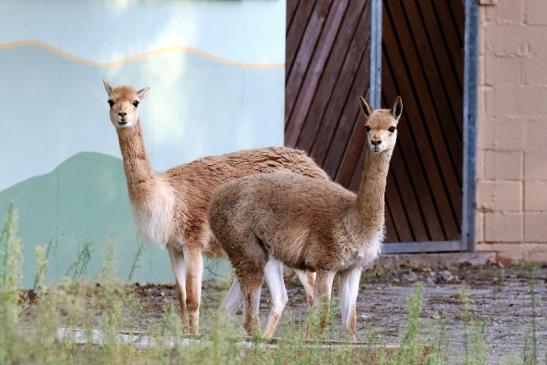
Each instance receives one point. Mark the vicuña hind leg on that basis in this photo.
(348, 288)
(249, 266)
(322, 293)
(307, 278)
(251, 303)
(248, 259)
(274, 278)
(194, 272)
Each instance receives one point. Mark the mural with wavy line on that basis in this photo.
(59, 152)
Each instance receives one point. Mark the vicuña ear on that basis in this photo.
(142, 92)
(365, 108)
(108, 87)
(397, 108)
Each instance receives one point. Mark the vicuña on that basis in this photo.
(170, 208)
(267, 220)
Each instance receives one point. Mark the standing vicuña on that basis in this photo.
(266, 220)
(170, 208)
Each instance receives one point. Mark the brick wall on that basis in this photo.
(512, 129)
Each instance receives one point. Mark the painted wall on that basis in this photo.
(216, 72)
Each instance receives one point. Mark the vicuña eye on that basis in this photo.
(111, 102)
(391, 129)
(136, 103)
(367, 128)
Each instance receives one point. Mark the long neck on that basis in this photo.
(138, 170)
(368, 213)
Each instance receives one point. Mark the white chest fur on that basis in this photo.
(155, 216)
(369, 253)
(365, 248)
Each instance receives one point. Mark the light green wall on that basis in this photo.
(216, 74)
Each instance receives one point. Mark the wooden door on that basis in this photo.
(328, 66)
(422, 60)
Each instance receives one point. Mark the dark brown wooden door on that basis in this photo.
(328, 67)
(422, 61)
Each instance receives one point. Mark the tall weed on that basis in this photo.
(10, 276)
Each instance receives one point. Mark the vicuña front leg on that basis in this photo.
(274, 277)
(194, 272)
(178, 266)
(348, 288)
(232, 300)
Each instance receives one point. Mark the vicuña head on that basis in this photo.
(381, 125)
(124, 104)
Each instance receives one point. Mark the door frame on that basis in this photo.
(470, 82)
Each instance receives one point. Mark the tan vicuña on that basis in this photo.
(170, 208)
(266, 220)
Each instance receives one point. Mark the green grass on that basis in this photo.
(30, 326)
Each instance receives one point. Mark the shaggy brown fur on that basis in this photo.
(171, 207)
(307, 224)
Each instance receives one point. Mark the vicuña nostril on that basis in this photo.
(122, 114)
(375, 143)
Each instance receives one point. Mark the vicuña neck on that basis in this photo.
(138, 170)
(368, 214)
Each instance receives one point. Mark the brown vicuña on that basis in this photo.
(170, 208)
(267, 220)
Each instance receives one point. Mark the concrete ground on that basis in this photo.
(500, 299)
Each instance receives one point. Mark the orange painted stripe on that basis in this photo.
(140, 55)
